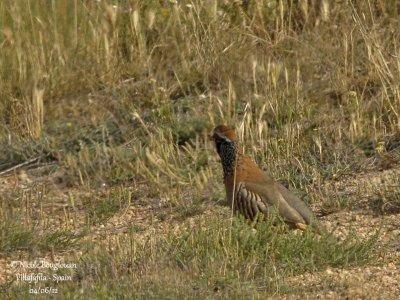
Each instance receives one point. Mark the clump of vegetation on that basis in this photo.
(386, 196)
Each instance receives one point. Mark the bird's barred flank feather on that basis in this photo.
(249, 204)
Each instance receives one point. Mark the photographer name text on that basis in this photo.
(34, 273)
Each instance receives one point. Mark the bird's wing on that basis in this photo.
(253, 198)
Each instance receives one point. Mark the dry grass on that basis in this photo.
(119, 97)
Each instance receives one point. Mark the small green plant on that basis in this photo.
(334, 204)
(386, 199)
(101, 208)
(15, 237)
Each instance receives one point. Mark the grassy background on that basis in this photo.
(119, 96)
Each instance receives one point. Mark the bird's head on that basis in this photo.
(223, 133)
(224, 138)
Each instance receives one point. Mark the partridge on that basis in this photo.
(252, 192)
